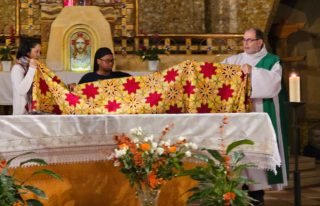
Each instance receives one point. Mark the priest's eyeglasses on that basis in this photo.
(107, 60)
(249, 40)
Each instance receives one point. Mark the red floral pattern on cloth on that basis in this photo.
(112, 106)
(208, 70)
(90, 91)
(225, 92)
(131, 86)
(43, 87)
(171, 75)
(189, 87)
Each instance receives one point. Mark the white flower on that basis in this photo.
(166, 143)
(116, 163)
(154, 145)
(148, 138)
(135, 140)
(120, 152)
(111, 156)
(182, 138)
(136, 131)
(193, 145)
(160, 150)
(188, 153)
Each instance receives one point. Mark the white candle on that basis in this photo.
(294, 88)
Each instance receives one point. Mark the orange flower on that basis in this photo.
(172, 149)
(3, 164)
(145, 146)
(122, 146)
(153, 180)
(229, 196)
(226, 163)
(18, 204)
(123, 139)
(137, 158)
(226, 158)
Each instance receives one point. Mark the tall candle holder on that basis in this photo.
(296, 137)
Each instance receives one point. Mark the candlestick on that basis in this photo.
(294, 88)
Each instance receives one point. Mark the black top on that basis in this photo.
(93, 76)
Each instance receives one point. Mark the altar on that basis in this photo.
(77, 147)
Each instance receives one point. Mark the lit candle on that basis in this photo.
(294, 88)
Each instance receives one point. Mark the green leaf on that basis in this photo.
(36, 191)
(215, 154)
(33, 202)
(237, 156)
(36, 161)
(201, 157)
(23, 154)
(238, 143)
(47, 172)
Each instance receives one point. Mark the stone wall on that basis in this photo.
(7, 20)
(305, 42)
(235, 16)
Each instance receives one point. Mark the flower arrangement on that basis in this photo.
(151, 53)
(12, 188)
(220, 180)
(148, 162)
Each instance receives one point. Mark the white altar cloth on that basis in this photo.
(77, 138)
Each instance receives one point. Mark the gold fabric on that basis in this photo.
(189, 87)
(99, 184)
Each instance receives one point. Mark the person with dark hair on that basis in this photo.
(22, 74)
(265, 72)
(102, 69)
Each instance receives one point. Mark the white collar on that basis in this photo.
(259, 54)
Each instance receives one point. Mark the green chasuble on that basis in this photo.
(267, 63)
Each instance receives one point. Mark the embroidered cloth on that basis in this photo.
(189, 87)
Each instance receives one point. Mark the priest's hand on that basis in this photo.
(246, 68)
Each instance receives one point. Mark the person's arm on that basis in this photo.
(20, 81)
(266, 84)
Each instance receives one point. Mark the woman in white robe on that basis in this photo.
(22, 74)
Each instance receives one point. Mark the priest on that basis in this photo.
(267, 96)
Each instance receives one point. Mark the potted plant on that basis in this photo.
(5, 57)
(12, 188)
(150, 54)
(220, 178)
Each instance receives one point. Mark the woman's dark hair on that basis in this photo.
(101, 52)
(25, 47)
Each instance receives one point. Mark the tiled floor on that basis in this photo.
(310, 196)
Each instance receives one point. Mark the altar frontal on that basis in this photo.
(189, 87)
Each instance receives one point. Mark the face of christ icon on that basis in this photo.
(80, 49)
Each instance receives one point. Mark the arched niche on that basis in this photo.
(72, 21)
